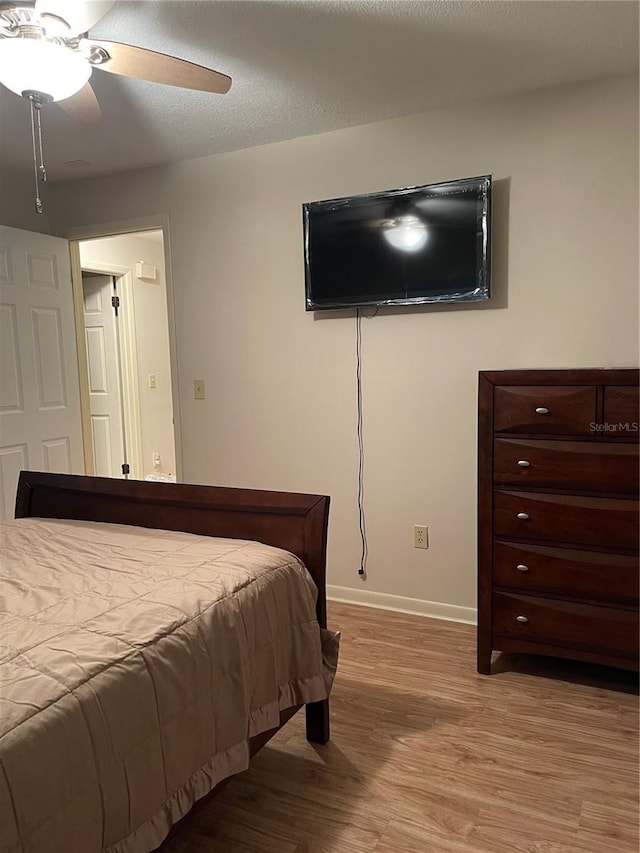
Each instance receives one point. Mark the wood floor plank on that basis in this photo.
(609, 821)
(427, 756)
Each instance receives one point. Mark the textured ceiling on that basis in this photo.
(300, 68)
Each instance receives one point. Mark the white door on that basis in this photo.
(40, 424)
(105, 400)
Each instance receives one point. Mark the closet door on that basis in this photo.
(103, 360)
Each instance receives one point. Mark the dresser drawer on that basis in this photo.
(566, 571)
(621, 404)
(566, 519)
(582, 465)
(554, 622)
(559, 409)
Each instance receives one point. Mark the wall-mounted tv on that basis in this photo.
(400, 247)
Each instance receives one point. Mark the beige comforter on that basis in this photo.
(134, 665)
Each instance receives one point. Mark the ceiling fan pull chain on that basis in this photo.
(38, 200)
(42, 172)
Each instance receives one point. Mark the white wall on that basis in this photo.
(280, 407)
(152, 339)
(17, 201)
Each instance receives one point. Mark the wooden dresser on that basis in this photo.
(558, 514)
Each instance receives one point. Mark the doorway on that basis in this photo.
(125, 361)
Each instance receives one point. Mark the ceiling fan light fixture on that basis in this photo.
(78, 16)
(35, 65)
(54, 27)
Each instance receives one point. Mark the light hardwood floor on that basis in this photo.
(428, 756)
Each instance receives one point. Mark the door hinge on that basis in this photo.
(125, 468)
(115, 301)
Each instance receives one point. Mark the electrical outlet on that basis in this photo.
(198, 389)
(152, 380)
(421, 536)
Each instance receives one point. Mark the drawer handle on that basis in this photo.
(542, 410)
(522, 619)
(522, 568)
(523, 516)
(523, 463)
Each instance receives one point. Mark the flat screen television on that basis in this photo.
(428, 244)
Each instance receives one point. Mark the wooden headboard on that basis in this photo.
(295, 522)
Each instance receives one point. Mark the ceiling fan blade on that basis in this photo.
(81, 15)
(83, 107)
(157, 67)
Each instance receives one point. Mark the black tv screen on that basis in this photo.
(400, 247)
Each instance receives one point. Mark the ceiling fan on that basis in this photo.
(47, 54)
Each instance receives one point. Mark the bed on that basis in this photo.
(154, 637)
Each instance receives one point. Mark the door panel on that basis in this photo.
(96, 357)
(57, 454)
(40, 424)
(11, 395)
(47, 341)
(12, 461)
(101, 434)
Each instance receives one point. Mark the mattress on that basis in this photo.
(134, 666)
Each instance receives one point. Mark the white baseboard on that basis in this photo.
(399, 603)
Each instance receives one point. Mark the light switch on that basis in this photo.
(198, 389)
(152, 380)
